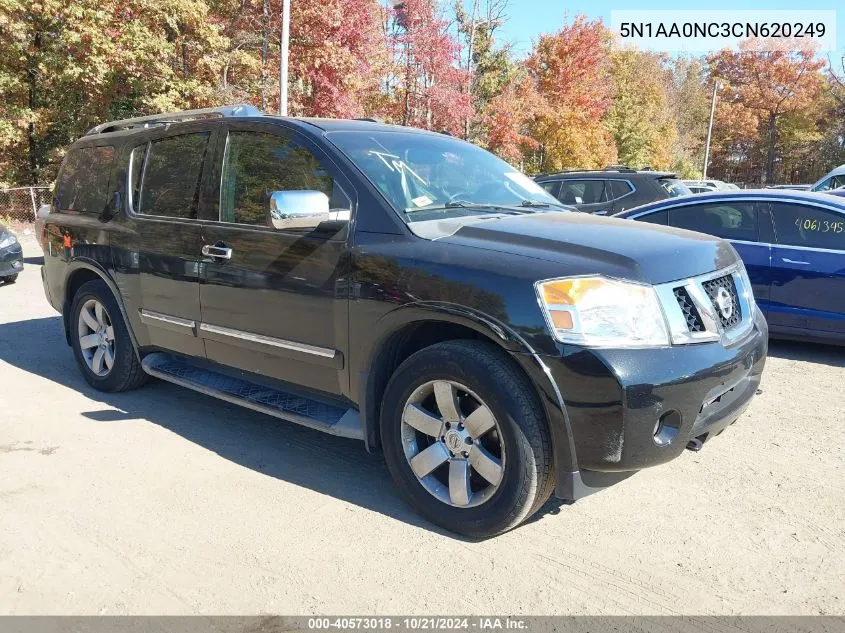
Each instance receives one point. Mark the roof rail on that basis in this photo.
(174, 117)
(578, 171)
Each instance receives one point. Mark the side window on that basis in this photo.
(834, 182)
(729, 220)
(256, 164)
(798, 225)
(84, 183)
(582, 191)
(171, 176)
(552, 186)
(657, 217)
(619, 188)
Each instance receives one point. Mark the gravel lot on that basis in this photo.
(166, 501)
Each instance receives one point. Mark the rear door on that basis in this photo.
(276, 303)
(737, 221)
(808, 268)
(162, 247)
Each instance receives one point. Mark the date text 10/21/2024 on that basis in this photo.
(422, 623)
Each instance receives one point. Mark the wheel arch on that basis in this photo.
(411, 328)
(80, 272)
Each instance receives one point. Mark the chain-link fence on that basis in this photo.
(20, 204)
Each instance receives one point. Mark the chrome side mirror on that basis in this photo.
(298, 209)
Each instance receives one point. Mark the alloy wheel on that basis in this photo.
(96, 337)
(453, 443)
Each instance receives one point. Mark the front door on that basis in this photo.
(163, 196)
(808, 269)
(274, 302)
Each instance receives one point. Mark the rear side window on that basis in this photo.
(799, 225)
(582, 191)
(729, 220)
(619, 188)
(83, 186)
(656, 217)
(552, 186)
(673, 187)
(171, 176)
(257, 164)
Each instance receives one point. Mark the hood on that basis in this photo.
(583, 244)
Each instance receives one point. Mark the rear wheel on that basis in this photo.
(465, 438)
(101, 342)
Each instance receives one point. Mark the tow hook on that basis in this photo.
(695, 444)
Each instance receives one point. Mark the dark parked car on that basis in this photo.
(611, 190)
(793, 246)
(403, 288)
(11, 256)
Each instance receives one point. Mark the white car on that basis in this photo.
(834, 179)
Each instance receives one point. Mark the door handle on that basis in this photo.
(218, 252)
(792, 261)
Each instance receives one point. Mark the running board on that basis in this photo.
(314, 414)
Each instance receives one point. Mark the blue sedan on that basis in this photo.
(793, 246)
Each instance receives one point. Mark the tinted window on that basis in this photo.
(658, 217)
(730, 220)
(256, 164)
(551, 186)
(619, 188)
(582, 191)
(172, 176)
(799, 225)
(84, 184)
(673, 187)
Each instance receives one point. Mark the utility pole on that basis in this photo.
(283, 66)
(710, 131)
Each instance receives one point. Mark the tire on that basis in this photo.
(126, 372)
(11, 278)
(478, 372)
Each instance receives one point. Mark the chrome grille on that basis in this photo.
(691, 315)
(712, 289)
(714, 307)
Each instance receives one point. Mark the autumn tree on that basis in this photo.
(426, 83)
(640, 119)
(773, 84)
(571, 69)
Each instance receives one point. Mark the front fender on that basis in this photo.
(372, 374)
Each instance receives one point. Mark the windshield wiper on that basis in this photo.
(535, 204)
(453, 204)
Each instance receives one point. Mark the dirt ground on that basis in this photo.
(164, 501)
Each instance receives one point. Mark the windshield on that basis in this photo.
(674, 187)
(426, 172)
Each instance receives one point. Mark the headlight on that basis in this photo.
(746, 287)
(8, 240)
(601, 312)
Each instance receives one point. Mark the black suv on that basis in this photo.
(403, 288)
(611, 190)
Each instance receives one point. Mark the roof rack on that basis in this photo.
(369, 118)
(175, 117)
(598, 171)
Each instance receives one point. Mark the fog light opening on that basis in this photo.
(666, 428)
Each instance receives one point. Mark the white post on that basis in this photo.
(283, 67)
(34, 208)
(710, 131)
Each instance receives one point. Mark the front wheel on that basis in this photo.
(10, 279)
(465, 438)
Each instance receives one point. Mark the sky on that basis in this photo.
(530, 18)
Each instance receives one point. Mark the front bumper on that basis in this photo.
(11, 260)
(630, 409)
